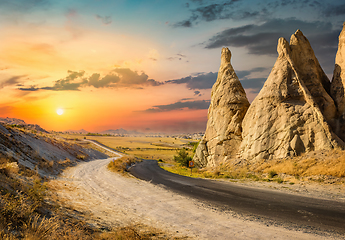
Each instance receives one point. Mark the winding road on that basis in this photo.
(197, 208)
(287, 209)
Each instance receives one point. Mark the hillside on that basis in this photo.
(44, 153)
(27, 161)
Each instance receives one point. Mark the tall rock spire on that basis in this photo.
(287, 116)
(338, 85)
(313, 76)
(224, 126)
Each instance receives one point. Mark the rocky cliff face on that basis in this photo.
(287, 116)
(338, 85)
(228, 106)
(293, 113)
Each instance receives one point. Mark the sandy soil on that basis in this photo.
(109, 199)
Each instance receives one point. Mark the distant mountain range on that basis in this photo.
(81, 131)
(120, 131)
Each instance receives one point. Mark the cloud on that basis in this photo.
(178, 56)
(334, 10)
(187, 23)
(262, 39)
(106, 20)
(210, 12)
(199, 104)
(197, 93)
(255, 37)
(69, 83)
(206, 80)
(199, 81)
(253, 83)
(29, 89)
(107, 81)
(11, 81)
(129, 78)
(117, 78)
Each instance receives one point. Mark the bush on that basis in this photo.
(279, 180)
(81, 157)
(272, 174)
(194, 145)
(182, 158)
(122, 164)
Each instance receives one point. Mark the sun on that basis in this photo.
(59, 111)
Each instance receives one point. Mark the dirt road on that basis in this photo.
(109, 199)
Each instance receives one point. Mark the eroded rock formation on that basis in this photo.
(287, 117)
(228, 106)
(338, 85)
(293, 113)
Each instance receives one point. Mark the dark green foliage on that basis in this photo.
(194, 145)
(272, 174)
(182, 157)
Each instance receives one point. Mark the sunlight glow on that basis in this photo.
(59, 111)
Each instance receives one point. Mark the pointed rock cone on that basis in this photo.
(338, 85)
(285, 119)
(228, 106)
(314, 78)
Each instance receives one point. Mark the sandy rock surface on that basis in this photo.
(338, 85)
(228, 106)
(287, 117)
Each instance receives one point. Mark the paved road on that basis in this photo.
(288, 209)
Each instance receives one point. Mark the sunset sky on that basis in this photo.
(144, 65)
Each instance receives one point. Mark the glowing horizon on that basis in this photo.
(142, 65)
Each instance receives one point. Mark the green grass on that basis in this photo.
(182, 170)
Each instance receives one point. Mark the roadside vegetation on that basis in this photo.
(182, 157)
(322, 167)
(122, 164)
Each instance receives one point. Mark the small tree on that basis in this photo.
(182, 157)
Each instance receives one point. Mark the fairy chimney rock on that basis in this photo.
(338, 85)
(224, 126)
(287, 116)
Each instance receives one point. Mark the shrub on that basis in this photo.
(194, 145)
(37, 228)
(38, 191)
(279, 180)
(182, 157)
(122, 164)
(81, 157)
(272, 174)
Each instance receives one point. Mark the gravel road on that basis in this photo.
(109, 199)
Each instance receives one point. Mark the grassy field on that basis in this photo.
(142, 147)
